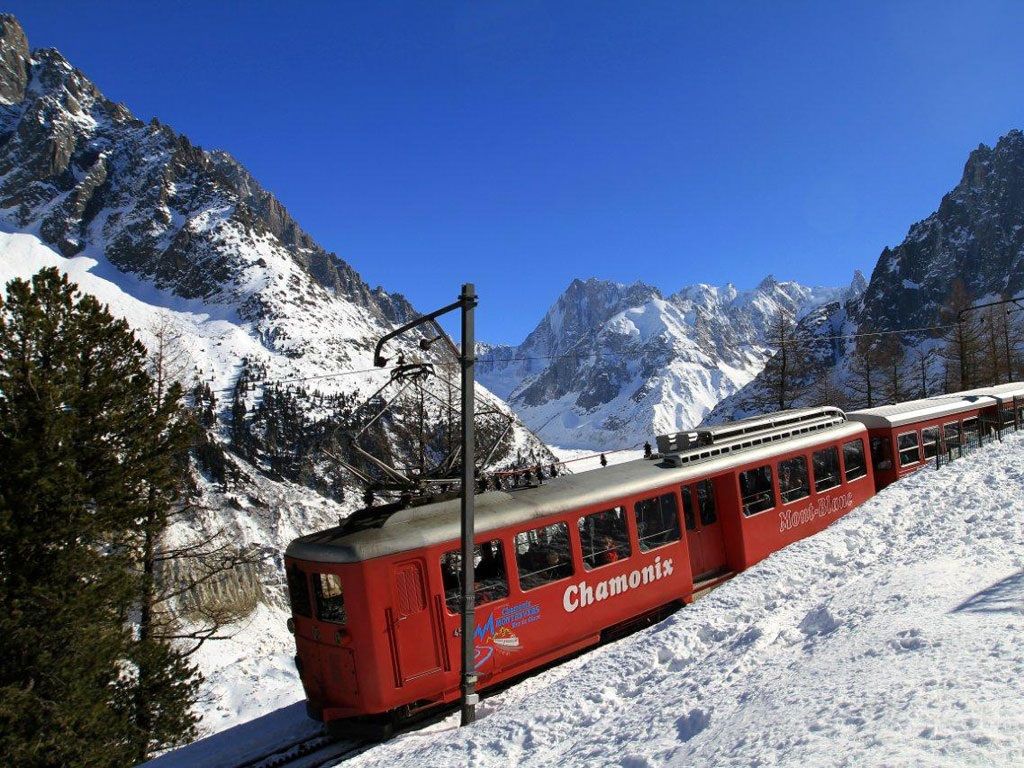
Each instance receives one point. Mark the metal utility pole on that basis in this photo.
(467, 359)
(467, 302)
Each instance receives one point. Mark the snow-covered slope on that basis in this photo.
(169, 234)
(611, 365)
(891, 638)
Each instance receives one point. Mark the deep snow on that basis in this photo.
(892, 638)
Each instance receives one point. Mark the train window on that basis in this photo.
(794, 482)
(691, 523)
(951, 434)
(826, 468)
(706, 502)
(907, 443)
(880, 456)
(657, 521)
(1006, 417)
(604, 538)
(330, 601)
(298, 592)
(853, 457)
(542, 555)
(489, 580)
(971, 431)
(930, 442)
(757, 490)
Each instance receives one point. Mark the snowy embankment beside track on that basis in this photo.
(895, 637)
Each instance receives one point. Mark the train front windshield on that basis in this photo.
(330, 598)
(327, 595)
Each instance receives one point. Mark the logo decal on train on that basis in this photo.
(583, 594)
(791, 518)
(497, 633)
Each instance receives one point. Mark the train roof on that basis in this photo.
(414, 527)
(900, 414)
(1003, 393)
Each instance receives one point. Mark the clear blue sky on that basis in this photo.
(521, 144)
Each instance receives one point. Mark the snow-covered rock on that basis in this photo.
(168, 234)
(974, 239)
(611, 365)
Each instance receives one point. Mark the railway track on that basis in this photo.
(310, 752)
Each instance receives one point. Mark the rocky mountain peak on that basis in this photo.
(856, 288)
(585, 305)
(612, 364)
(91, 178)
(14, 58)
(976, 234)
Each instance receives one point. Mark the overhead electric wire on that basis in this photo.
(575, 356)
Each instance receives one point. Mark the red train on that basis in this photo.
(563, 565)
(907, 436)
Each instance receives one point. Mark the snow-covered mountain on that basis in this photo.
(179, 227)
(975, 238)
(170, 235)
(976, 235)
(611, 365)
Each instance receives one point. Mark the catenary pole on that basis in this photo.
(468, 358)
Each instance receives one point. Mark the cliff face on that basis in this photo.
(611, 365)
(976, 235)
(185, 243)
(88, 177)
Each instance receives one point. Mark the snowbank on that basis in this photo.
(892, 638)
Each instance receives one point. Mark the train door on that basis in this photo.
(415, 636)
(703, 530)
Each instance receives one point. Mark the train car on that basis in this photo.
(1009, 398)
(559, 566)
(906, 436)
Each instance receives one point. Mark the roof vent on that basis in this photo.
(687, 447)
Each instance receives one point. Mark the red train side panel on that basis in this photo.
(373, 610)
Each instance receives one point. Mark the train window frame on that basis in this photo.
(322, 597)
(674, 513)
(544, 581)
(805, 489)
(901, 449)
(624, 540)
(863, 458)
(957, 427)
(485, 594)
(296, 577)
(936, 442)
(702, 510)
(837, 477)
(767, 493)
(974, 429)
(689, 518)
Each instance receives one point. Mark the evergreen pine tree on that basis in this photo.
(85, 461)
